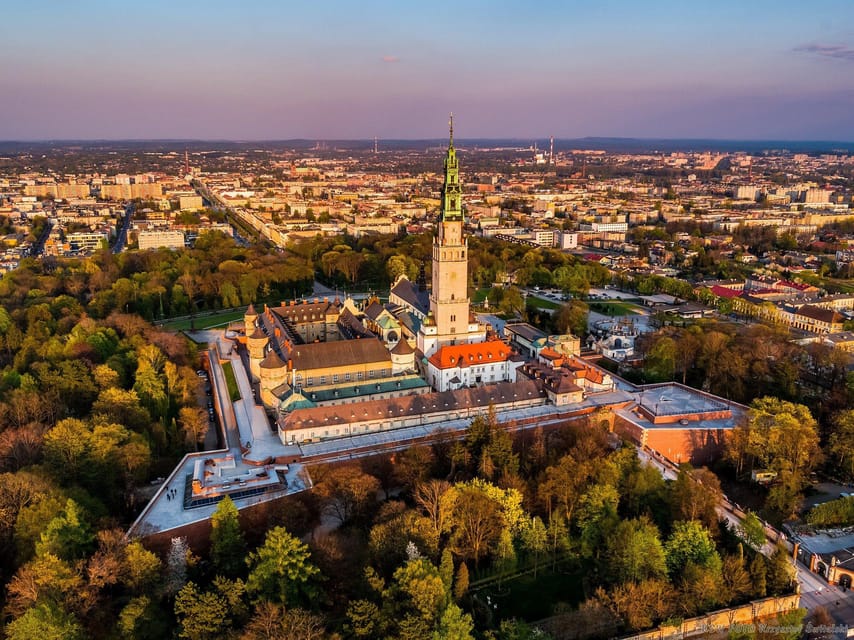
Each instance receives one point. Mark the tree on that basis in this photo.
(418, 588)
(454, 625)
(781, 572)
(389, 540)
(176, 565)
(274, 622)
(461, 583)
(446, 569)
(476, 527)
(572, 318)
(563, 484)
(634, 552)
(437, 499)
(202, 615)
(758, 576)
(779, 436)
(660, 361)
(281, 571)
(347, 492)
(142, 619)
(695, 496)
(505, 555)
(638, 604)
(736, 583)
(751, 530)
(363, 618)
(68, 536)
(143, 567)
(413, 465)
(194, 423)
(228, 548)
(535, 539)
(841, 441)
(689, 542)
(46, 622)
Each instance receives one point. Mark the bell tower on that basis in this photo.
(448, 321)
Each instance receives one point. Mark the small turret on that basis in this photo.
(256, 344)
(249, 319)
(273, 373)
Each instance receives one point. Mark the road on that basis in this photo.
(815, 591)
(38, 246)
(122, 234)
(217, 205)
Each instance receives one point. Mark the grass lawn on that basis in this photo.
(614, 308)
(533, 599)
(541, 303)
(844, 286)
(205, 322)
(479, 296)
(230, 382)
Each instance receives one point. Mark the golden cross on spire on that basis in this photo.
(451, 127)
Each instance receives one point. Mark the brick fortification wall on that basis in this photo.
(677, 444)
(714, 624)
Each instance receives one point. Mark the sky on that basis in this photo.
(276, 70)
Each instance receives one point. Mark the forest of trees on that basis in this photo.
(95, 402)
(411, 548)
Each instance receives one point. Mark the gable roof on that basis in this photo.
(820, 314)
(340, 353)
(427, 403)
(411, 295)
(464, 355)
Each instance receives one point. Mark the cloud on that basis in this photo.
(838, 51)
(391, 59)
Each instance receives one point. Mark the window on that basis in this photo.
(347, 377)
(334, 377)
(371, 373)
(360, 375)
(309, 381)
(453, 317)
(322, 379)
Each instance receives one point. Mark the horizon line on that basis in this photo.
(370, 139)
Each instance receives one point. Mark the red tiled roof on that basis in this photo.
(724, 292)
(463, 355)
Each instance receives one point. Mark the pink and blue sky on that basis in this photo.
(742, 69)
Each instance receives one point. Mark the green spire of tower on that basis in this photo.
(452, 206)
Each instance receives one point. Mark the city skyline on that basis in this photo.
(268, 72)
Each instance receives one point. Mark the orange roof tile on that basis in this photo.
(464, 355)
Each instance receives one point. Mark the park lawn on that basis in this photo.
(231, 382)
(532, 599)
(614, 308)
(845, 286)
(541, 303)
(205, 322)
(479, 296)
